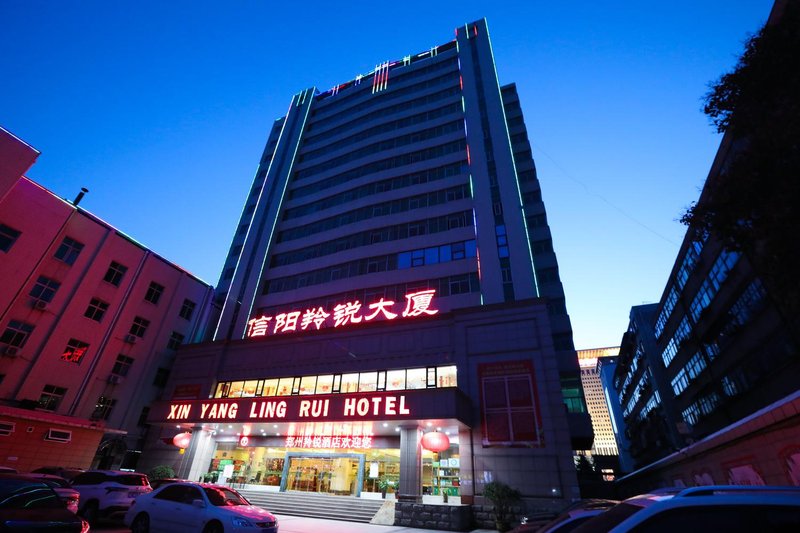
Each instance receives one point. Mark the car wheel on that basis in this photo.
(213, 527)
(90, 512)
(141, 524)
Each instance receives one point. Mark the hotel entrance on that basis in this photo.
(338, 474)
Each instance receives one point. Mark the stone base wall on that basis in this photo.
(427, 516)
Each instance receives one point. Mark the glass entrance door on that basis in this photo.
(337, 474)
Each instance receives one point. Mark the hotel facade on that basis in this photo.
(391, 308)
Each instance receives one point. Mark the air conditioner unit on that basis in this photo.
(41, 305)
(10, 351)
(130, 338)
(114, 379)
(58, 435)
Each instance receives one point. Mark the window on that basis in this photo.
(103, 407)
(69, 250)
(187, 309)
(416, 378)
(395, 380)
(44, 289)
(8, 237)
(508, 410)
(162, 375)
(368, 382)
(16, 333)
(114, 273)
(7, 428)
(51, 397)
(175, 340)
(139, 326)
(154, 292)
(74, 351)
(285, 387)
(96, 310)
(349, 383)
(308, 384)
(122, 366)
(324, 384)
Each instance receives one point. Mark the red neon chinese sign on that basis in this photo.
(329, 442)
(417, 304)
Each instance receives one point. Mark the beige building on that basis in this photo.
(604, 441)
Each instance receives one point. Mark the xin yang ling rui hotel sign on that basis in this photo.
(416, 304)
(374, 406)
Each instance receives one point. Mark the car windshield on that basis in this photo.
(25, 494)
(609, 519)
(56, 483)
(222, 497)
(131, 480)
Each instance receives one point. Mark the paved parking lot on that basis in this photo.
(300, 524)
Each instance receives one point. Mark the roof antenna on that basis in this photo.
(78, 198)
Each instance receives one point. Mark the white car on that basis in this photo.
(732, 509)
(108, 493)
(194, 507)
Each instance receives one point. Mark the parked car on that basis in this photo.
(68, 495)
(731, 509)
(66, 472)
(107, 494)
(193, 507)
(30, 505)
(570, 518)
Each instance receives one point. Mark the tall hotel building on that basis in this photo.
(391, 283)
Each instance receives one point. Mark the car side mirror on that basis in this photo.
(199, 503)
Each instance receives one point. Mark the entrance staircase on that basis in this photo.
(315, 505)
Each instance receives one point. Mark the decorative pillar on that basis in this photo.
(195, 458)
(410, 461)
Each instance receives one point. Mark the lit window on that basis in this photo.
(325, 384)
(74, 351)
(416, 378)
(446, 376)
(103, 407)
(349, 383)
(308, 384)
(271, 387)
(368, 382)
(51, 397)
(250, 388)
(395, 380)
(285, 386)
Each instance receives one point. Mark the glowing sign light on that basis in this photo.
(417, 304)
(363, 442)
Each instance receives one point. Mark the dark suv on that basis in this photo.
(108, 493)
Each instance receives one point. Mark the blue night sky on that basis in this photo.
(162, 110)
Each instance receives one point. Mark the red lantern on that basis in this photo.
(182, 440)
(435, 441)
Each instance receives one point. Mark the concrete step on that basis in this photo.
(315, 505)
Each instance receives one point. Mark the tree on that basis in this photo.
(752, 204)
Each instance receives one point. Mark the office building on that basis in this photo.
(604, 441)
(393, 262)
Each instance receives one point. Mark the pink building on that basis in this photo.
(89, 324)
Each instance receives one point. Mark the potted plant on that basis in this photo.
(161, 472)
(385, 483)
(502, 497)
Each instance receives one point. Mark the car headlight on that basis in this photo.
(242, 522)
